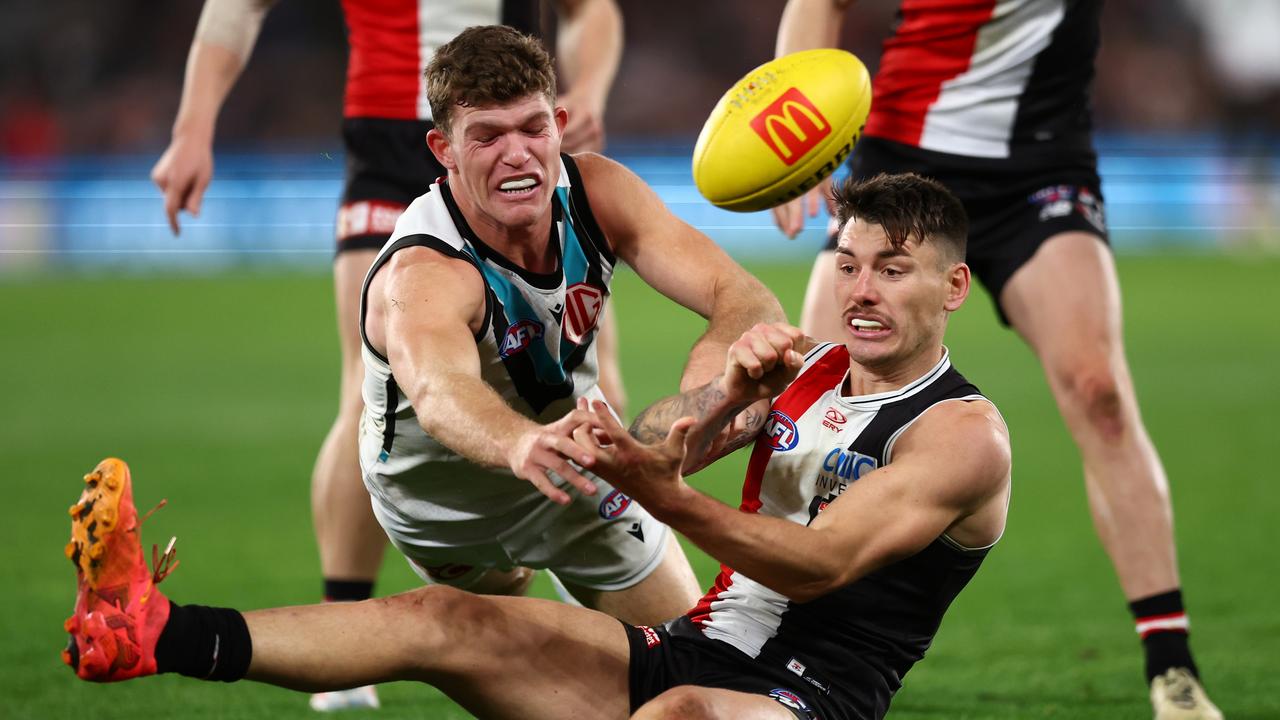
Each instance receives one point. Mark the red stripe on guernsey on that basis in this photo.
(793, 402)
(385, 62)
(934, 43)
(799, 396)
(702, 610)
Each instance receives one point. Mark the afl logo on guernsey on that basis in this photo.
(518, 337)
(780, 432)
(583, 304)
(614, 504)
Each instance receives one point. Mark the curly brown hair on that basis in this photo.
(907, 206)
(487, 65)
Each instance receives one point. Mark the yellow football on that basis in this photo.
(782, 129)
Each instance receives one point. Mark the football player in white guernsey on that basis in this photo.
(385, 116)
(478, 320)
(897, 541)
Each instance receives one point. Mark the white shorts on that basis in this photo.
(603, 542)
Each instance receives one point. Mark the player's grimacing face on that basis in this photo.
(507, 158)
(893, 302)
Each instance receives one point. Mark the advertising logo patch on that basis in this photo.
(791, 126)
(833, 419)
(781, 432)
(518, 337)
(651, 637)
(614, 504)
(583, 304)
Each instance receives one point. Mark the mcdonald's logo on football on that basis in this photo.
(791, 126)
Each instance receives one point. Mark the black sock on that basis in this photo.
(204, 642)
(1162, 623)
(347, 590)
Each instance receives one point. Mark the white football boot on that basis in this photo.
(1177, 695)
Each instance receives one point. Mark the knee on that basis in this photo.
(1093, 390)
(683, 702)
(430, 620)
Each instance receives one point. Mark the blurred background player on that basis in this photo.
(992, 99)
(386, 119)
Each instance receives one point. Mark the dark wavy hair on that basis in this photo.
(907, 206)
(487, 65)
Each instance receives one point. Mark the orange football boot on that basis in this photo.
(119, 612)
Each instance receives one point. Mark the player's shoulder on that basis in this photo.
(600, 175)
(968, 433)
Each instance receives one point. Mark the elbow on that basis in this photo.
(823, 579)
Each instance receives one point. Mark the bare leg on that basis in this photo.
(350, 540)
(820, 318)
(498, 657)
(670, 590)
(1066, 303)
(690, 702)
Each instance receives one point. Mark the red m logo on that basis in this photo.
(791, 126)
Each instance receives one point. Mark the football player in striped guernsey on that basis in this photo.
(878, 482)
(385, 118)
(991, 97)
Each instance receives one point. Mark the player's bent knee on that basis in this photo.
(433, 618)
(683, 702)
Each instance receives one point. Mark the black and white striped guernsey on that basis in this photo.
(857, 642)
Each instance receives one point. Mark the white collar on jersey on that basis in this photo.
(867, 402)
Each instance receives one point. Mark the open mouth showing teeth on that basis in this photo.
(859, 324)
(515, 186)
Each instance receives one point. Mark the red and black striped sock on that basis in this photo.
(1162, 624)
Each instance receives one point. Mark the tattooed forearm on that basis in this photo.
(751, 424)
(707, 403)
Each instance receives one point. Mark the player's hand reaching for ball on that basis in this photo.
(762, 362)
(552, 448)
(649, 473)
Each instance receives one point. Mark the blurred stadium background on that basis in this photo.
(210, 361)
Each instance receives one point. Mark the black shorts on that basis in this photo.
(388, 166)
(1013, 205)
(664, 657)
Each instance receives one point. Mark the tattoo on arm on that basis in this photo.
(397, 304)
(751, 427)
(706, 404)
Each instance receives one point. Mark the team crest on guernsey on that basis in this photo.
(780, 431)
(614, 504)
(519, 336)
(583, 304)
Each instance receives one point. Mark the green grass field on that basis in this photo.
(218, 390)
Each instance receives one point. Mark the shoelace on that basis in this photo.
(162, 564)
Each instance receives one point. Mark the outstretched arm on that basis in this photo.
(431, 306)
(947, 467)
(589, 46)
(729, 411)
(224, 39)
